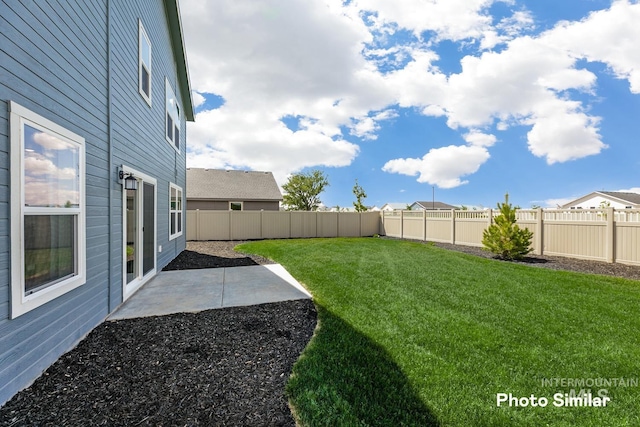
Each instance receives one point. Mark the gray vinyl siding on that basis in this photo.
(138, 131)
(54, 61)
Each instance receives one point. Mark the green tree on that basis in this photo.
(358, 191)
(302, 191)
(504, 237)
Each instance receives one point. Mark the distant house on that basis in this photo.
(223, 190)
(94, 99)
(598, 199)
(388, 207)
(428, 206)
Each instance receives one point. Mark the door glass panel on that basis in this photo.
(148, 235)
(132, 236)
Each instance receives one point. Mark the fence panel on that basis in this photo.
(304, 224)
(584, 240)
(392, 226)
(370, 224)
(413, 227)
(628, 243)
(245, 225)
(439, 230)
(275, 225)
(213, 225)
(348, 224)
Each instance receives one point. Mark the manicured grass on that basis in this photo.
(411, 334)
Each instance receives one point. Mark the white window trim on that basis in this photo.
(176, 120)
(142, 33)
(241, 205)
(21, 303)
(179, 233)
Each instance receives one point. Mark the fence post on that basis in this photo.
(197, 224)
(424, 224)
(402, 224)
(611, 255)
(453, 226)
(261, 223)
(539, 231)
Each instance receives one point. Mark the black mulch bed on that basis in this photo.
(213, 368)
(213, 254)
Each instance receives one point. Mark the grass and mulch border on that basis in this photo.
(412, 334)
(217, 367)
(229, 367)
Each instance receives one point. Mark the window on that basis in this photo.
(47, 210)
(173, 117)
(175, 211)
(235, 206)
(144, 64)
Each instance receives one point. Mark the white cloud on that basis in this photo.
(630, 190)
(449, 19)
(441, 166)
(51, 142)
(321, 62)
(609, 36)
(197, 99)
(273, 59)
(481, 139)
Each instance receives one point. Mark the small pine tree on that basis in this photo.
(504, 237)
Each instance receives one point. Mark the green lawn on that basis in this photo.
(411, 334)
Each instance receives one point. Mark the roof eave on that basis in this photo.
(175, 30)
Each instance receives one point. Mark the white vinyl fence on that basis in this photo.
(249, 225)
(599, 234)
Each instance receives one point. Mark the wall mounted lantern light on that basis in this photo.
(130, 182)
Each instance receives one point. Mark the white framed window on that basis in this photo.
(48, 249)
(144, 63)
(175, 211)
(235, 206)
(172, 127)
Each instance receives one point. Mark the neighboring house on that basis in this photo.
(388, 207)
(93, 97)
(223, 190)
(598, 199)
(428, 206)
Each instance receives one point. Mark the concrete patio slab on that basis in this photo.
(187, 291)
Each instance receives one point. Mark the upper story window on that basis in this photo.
(173, 117)
(144, 64)
(175, 211)
(48, 256)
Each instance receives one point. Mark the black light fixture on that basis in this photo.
(130, 182)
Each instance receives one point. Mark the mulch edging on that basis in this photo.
(217, 367)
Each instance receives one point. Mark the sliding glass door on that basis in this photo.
(139, 233)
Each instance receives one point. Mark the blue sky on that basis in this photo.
(472, 98)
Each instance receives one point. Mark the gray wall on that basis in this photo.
(54, 61)
(216, 205)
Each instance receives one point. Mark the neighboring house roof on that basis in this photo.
(175, 30)
(394, 206)
(218, 184)
(631, 198)
(434, 205)
(619, 196)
